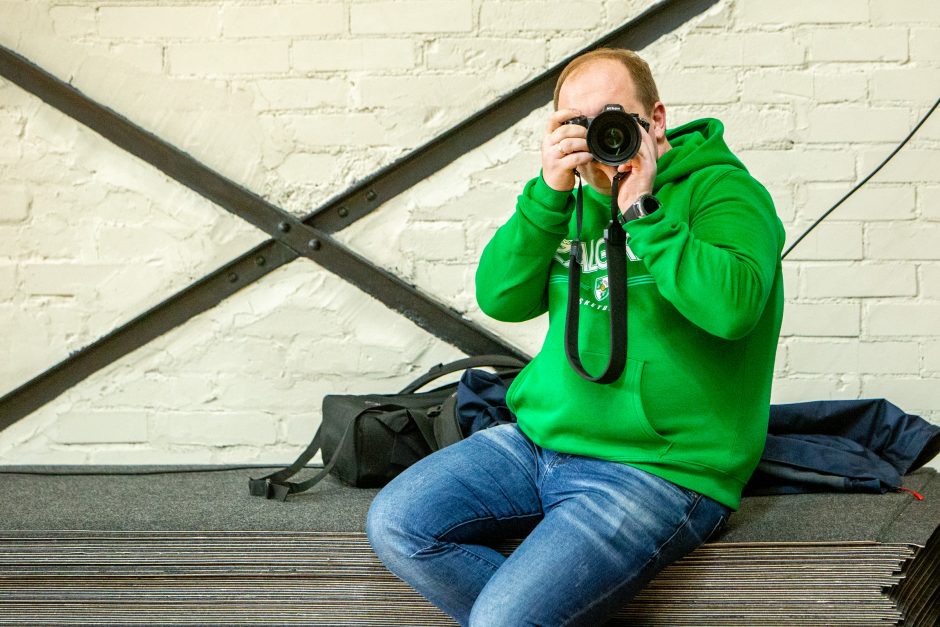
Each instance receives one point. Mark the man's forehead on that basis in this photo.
(598, 75)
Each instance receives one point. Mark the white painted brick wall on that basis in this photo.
(299, 100)
(407, 17)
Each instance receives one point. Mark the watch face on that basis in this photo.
(649, 204)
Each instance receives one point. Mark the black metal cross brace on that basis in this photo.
(291, 237)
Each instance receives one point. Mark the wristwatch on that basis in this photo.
(643, 206)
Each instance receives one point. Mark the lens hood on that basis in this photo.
(613, 137)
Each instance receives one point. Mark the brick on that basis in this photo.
(364, 54)
(720, 17)
(349, 129)
(484, 53)
(853, 357)
(816, 387)
(279, 20)
(757, 125)
(63, 279)
(452, 284)
(776, 86)
(127, 244)
(821, 319)
(925, 44)
(910, 84)
(858, 280)
(474, 205)
(907, 319)
(373, 324)
(7, 282)
(889, 357)
(526, 15)
(801, 164)
(408, 92)
(404, 16)
(914, 394)
(909, 165)
(837, 241)
(299, 430)
(858, 45)
(929, 131)
(267, 394)
(871, 203)
(783, 202)
(100, 427)
(908, 11)
(15, 201)
(772, 49)
(929, 280)
(229, 59)
(216, 429)
(164, 392)
(780, 359)
(711, 50)
(434, 241)
(801, 12)
(562, 47)
(903, 241)
(931, 353)
(59, 456)
(301, 93)
(144, 57)
(302, 167)
(142, 455)
(841, 88)
(168, 22)
(857, 124)
(73, 22)
(823, 357)
(791, 281)
(928, 201)
(698, 88)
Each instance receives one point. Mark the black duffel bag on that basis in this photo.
(367, 440)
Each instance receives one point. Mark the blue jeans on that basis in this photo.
(595, 531)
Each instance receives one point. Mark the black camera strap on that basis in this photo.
(615, 241)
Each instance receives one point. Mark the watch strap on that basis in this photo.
(641, 207)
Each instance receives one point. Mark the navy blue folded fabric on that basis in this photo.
(864, 445)
(481, 401)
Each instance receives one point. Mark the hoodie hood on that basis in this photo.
(695, 146)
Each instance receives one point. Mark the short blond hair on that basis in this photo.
(639, 70)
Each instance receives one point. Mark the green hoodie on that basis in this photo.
(705, 305)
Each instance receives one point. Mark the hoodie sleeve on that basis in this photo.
(718, 267)
(512, 278)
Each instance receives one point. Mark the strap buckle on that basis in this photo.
(268, 489)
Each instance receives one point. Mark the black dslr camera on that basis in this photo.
(613, 137)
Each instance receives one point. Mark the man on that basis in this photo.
(607, 483)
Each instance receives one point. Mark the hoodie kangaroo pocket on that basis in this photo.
(633, 380)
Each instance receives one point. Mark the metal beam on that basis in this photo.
(308, 237)
(365, 196)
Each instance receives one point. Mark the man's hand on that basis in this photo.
(642, 170)
(564, 148)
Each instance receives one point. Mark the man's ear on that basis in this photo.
(658, 119)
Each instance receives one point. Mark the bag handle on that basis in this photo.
(276, 486)
(462, 364)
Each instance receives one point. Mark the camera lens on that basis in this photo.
(613, 137)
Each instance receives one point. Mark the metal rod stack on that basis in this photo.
(834, 559)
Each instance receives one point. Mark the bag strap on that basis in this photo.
(275, 486)
(615, 240)
(462, 364)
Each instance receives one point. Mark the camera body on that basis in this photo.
(613, 137)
